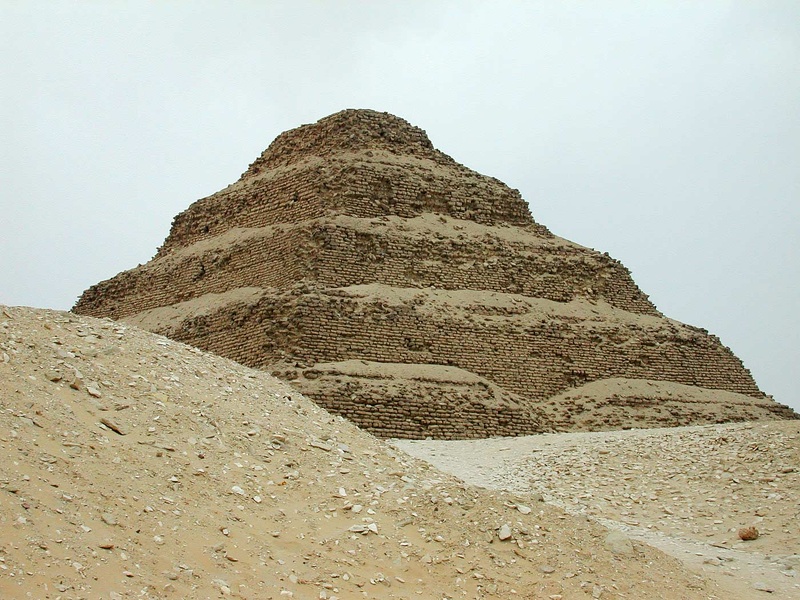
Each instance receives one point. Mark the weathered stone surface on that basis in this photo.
(748, 533)
(504, 533)
(618, 543)
(353, 240)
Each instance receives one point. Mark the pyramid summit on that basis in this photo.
(348, 131)
(420, 298)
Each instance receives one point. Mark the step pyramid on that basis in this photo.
(419, 298)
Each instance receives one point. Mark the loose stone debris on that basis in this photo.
(693, 492)
(192, 476)
(748, 533)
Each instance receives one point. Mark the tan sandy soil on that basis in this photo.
(137, 467)
(686, 490)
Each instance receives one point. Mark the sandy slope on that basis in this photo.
(135, 466)
(686, 490)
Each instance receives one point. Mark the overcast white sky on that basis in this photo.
(665, 133)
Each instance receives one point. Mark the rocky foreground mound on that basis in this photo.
(137, 467)
(354, 239)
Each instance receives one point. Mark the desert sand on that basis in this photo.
(686, 490)
(138, 467)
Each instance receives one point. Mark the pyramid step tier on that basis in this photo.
(427, 251)
(532, 348)
(362, 184)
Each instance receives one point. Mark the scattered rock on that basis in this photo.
(114, 426)
(320, 445)
(547, 569)
(748, 533)
(791, 562)
(504, 533)
(358, 528)
(618, 543)
(71, 473)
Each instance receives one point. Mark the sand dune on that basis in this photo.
(136, 466)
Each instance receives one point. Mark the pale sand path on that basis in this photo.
(684, 490)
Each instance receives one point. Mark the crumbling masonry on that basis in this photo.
(419, 298)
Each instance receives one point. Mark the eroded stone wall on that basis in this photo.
(354, 238)
(534, 359)
(332, 253)
(349, 131)
(363, 189)
(412, 401)
(415, 410)
(276, 258)
(548, 269)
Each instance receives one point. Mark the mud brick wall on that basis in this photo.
(533, 361)
(414, 410)
(317, 182)
(276, 258)
(549, 270)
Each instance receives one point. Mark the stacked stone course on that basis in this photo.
(335, 253)
(407, 181)
(548, 356)
(357, 240)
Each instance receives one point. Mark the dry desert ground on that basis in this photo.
(138, 467)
